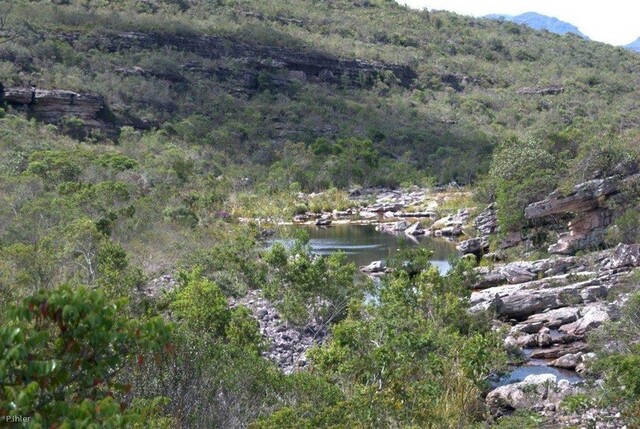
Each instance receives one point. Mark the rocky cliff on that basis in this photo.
(60, 107)
(588, 202)
(301, 64)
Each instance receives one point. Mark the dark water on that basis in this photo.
(363, 244)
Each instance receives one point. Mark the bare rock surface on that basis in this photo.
(587, 201)
(287, 344)
(537, 392)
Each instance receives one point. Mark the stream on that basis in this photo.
(362, 245)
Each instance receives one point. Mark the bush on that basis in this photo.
(522, 172)
(72, 340)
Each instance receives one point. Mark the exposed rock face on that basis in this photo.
(540, 392)
(414, 229)
(306, 64)
(550, 90)
(568, 361)
(287, 344)
(450, 226)
(487, 221)
(591, 318)
(54, 106)
(587, 200)
(552, 304)
(583, 198)
(624, 256)
(476, 246)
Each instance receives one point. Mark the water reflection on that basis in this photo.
(363, 244)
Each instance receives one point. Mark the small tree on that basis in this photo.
(522, 172)
(62, 356)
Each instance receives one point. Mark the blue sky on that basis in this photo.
(615, 21)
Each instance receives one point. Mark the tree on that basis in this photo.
(63, 354)
(414, 358)
(304, 286)
(522, 172)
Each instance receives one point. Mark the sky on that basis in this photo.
(613, 21)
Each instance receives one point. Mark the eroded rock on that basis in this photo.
(536, 392)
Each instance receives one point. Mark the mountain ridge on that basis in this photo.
(634, 46)
(539, 21)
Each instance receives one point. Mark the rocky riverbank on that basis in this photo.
(414, 212)
(546, 307)
(287, 345)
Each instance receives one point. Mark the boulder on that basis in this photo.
(450, 231)
(519, 272)
(624, 255)
(487, 221)
(525, 302)
(544, 337)
(553, 318)
(559, 350)
(592, 317)
(475, 246)
(536, 392)
(521, 341)
(568, 361)
(374, 267)
(414, 229)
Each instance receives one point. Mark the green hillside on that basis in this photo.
(242, 94)
(145, 142)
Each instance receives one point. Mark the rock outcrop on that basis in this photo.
(374, 267)
(539, 392)
(58, 106)
(586, 200)
(476, 246)
(287, 345)
(550, 90)
(552, 304)
(303, 63)
(486, 223)
(450, 226)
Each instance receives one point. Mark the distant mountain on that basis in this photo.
(634, 46)
(540, 22)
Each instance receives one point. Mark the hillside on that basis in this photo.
(538, 21)
(167, 167)
(458, 77)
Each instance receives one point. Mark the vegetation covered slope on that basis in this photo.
(441, 119)
(221, 111)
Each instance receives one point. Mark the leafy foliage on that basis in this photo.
(305, 287)
(399, 360)
(64, 352)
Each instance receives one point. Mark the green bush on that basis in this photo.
(73, 340)
(522, 172)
